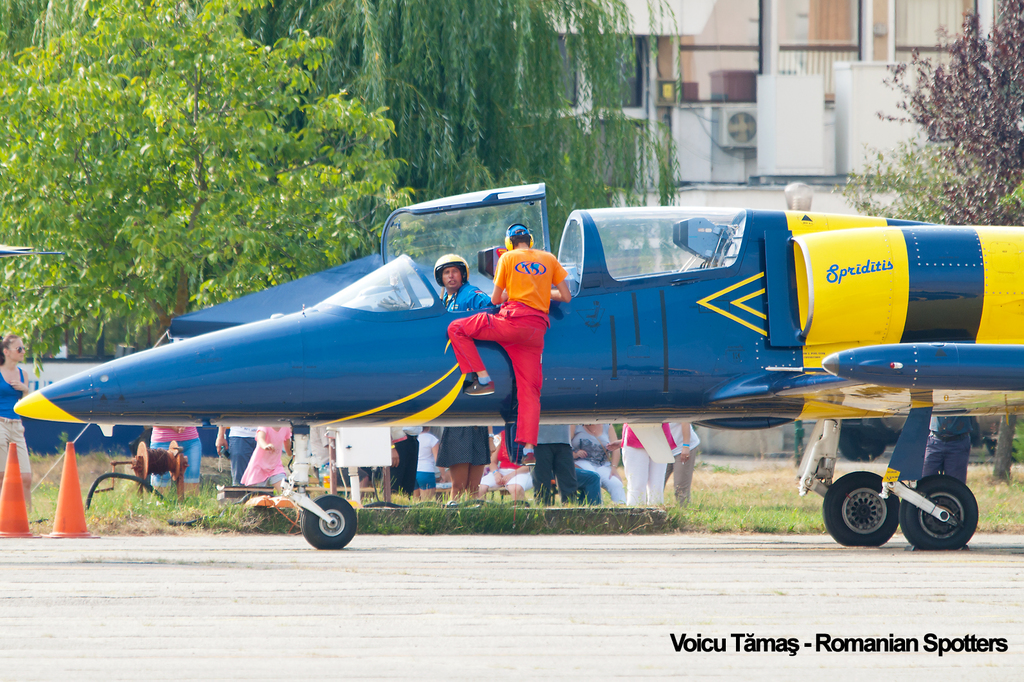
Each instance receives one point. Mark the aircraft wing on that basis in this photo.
(7, 251)
(848, 394)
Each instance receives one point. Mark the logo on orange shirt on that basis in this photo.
(530, 268)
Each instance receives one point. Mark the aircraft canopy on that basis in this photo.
(397, 286)
(640, 242)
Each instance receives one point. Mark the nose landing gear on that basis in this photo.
(329, 521)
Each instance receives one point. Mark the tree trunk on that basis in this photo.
(1004, 448)
(101, 342)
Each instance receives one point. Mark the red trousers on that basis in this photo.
(519, 329)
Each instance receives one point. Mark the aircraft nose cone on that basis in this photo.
(831, 364)
(37, 406)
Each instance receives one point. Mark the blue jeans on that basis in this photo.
(589, 487)
(193, 450)
(240, 451)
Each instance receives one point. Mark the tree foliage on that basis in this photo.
(907, 183)
(27, 23)
(177, 163)
(970, 111)
(486, 93)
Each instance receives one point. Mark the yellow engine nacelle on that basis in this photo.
(852, 285)
(874, 285)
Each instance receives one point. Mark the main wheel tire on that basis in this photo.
(924, 531)
(323, 535)
(855, 514)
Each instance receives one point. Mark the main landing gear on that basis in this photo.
(947, 518)
(859, 510)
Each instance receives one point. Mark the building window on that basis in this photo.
(919, 23)
(633, 75)
(719, 50)
(570, 78)
(815, 33)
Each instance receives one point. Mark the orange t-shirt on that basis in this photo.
(528, 275)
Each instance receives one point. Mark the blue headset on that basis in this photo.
(517, 230)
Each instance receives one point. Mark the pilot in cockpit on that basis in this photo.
(452, 272)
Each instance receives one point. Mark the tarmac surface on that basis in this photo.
(229, 607)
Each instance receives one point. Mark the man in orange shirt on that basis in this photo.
(525, 283)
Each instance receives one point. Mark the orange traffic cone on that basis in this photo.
(69, 520)
(13, 513)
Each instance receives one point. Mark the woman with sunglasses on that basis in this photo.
(12, 389)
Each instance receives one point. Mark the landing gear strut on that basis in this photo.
(854, 512)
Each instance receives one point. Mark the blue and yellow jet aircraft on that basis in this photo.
(734, 319)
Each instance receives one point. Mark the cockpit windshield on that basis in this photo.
(662, 240)
(395, 287)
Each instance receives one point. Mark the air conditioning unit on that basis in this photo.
(736, 127)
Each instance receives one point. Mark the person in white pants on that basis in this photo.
(645, 478)
(595, 447)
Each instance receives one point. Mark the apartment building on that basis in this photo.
(758, 93)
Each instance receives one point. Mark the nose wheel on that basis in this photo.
(334, 532)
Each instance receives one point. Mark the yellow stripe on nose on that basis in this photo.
(37, 406)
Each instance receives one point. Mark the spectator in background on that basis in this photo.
(426, 479)
(444, 478)
(588, 487)
(12, 389)
(187, 438)
(320, 442)
(240, 441)
(504, 474)
(403, 471)
(553, 456)
(265, 467)
(682, 467)
(596, 448)
(948, 448)
(465, 451)
(645, 478)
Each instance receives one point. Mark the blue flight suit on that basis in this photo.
(468, 297)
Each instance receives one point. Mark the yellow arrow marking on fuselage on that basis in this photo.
(706, 302)
(401, 400)
(740, 301)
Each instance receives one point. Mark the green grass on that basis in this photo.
(502, 518)
(725, 500)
